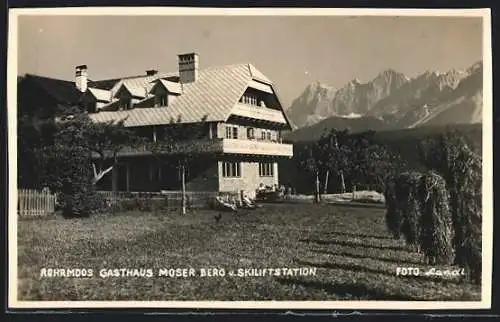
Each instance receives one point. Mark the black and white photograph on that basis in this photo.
(250, 158)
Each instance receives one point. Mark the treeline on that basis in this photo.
(400, 148)
(340, 161)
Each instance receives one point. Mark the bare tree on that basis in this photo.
(178, 144)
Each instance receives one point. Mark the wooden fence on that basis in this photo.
(173, 199)
(33, 203)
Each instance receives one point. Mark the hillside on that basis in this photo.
(405, 141)
(354, 124)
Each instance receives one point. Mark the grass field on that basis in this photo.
(354, 257)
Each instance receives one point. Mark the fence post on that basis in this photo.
(20, 201)
(30, 203)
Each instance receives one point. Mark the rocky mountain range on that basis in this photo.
(393, 101)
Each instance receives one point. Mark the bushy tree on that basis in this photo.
(334, 155)
(73, 155)
(393, 215)
(355, 158)
(450, 156)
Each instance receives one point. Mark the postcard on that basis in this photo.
(250, 158)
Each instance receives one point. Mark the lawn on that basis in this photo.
(354, 257)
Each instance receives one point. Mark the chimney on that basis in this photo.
(81, 78)
(151, 72)
(188, 68)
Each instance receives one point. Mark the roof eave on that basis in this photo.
(273, 87)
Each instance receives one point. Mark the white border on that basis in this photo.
(487, 241)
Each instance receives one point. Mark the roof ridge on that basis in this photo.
(249, 66)
(158, 75)
(47, 77)
(223, 66)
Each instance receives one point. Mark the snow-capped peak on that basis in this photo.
(352, 115)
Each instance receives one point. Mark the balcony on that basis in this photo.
(256, 147)
(217, 146)
(258, 113)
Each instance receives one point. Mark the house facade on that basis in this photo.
(236, 110)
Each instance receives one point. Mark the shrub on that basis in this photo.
(393, 216)
(408, 202)
(436, 237)
(467, 213)
(461, 168)
(73, 180)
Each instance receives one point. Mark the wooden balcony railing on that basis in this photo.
(257, 147)
(259, 113)
(215, 146)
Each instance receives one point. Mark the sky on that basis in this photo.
(293, 51)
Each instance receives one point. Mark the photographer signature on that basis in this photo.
(444, 272)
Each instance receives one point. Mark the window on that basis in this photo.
(249, 99)
(266, 135)
(250, 133)
(231, 169)
(163, 100)
(266, 169)
(125, 104)
(231, 132)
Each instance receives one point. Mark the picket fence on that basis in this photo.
(33, 203)
(173, 199)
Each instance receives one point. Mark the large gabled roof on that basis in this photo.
(211, 97)
(63, 91)
(257, 75)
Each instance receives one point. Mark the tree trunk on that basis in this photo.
(325, 191)
(98, 175)
(127, 177)
(183, 182)
(317, 198)
(342, 181)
